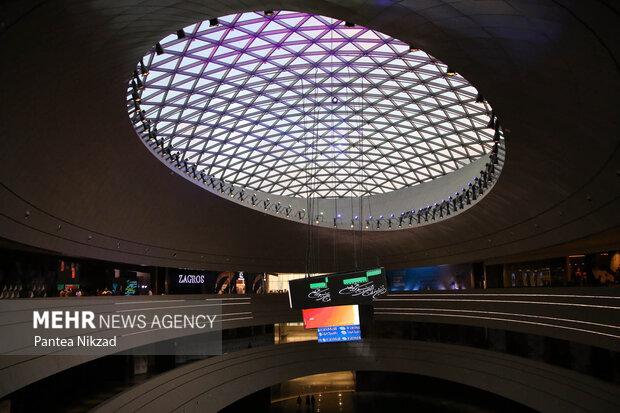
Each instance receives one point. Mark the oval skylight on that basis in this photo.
(299, 105)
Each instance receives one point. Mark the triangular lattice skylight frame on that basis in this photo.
(300, 105)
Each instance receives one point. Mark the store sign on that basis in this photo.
(337, 289)
(191, 279)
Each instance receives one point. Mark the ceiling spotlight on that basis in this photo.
(143, 68)
(479, 98)
(140, 83)
(158, 49)
(349, 24)
(450, 71)
(494, 159)
(491, 123)
(496, 136)
(214, 22)
(413, 49)
(268, 12)
(181, 34)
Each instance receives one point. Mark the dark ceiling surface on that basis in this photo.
(76, 179)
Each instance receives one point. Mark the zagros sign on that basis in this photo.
(191, 279)
(354, 287)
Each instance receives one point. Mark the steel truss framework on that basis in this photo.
(300, 105)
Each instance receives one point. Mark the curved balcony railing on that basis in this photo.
(581, 315)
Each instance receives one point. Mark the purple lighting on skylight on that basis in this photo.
(258, 101)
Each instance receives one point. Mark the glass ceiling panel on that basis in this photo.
(293, 92)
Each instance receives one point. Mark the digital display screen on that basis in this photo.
(331, 316)
(132, 288)
(355, 287)
(339, 333)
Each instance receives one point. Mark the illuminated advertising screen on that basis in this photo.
(344, 315)
(355, 287)
(339, 333)
(132, 287)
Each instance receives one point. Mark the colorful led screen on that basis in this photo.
(341, 333)
(344, 315)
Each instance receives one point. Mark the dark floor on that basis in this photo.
(384, 392)
(370, 402)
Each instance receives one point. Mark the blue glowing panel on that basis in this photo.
(340, 333)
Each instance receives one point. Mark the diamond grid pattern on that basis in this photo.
(300, 105)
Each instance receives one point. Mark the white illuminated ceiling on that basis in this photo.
(300, 105)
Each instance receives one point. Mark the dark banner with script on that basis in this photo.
(354, 287)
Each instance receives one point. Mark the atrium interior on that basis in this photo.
(310, 206)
